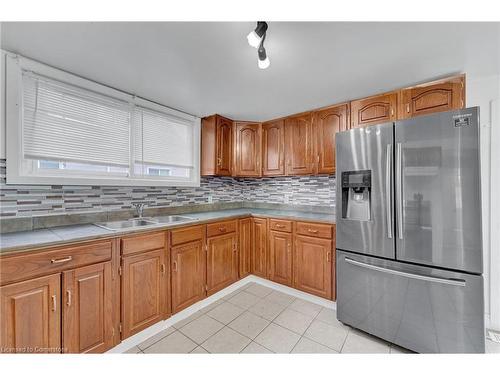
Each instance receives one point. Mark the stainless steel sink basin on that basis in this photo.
(172, 219)
(144, 222)
(125, 224)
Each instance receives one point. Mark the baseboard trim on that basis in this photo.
(164, 324)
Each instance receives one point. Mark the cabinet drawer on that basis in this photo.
(28, 266)
(184, 235)
(221, 227)
(145, 242)
(314, 230)
(280, 225)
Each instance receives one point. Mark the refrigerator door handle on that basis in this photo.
(440, 280)
(388, 197)
(399, 192)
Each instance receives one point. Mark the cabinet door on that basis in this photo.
(247, 146)
(224, 146)
(31, 316)
(273, 148)
(374, 110)
(88, 309)
(222, 262)
(280, 254)
(259, 249)
(208, 146)
(245, 247)
(327, 122)
(439, 96)
(144, 291)
(299, 145)
(188, 274)
(313, 265)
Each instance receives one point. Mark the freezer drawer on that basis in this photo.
(423, 309)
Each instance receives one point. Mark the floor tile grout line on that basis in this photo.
(302, 335)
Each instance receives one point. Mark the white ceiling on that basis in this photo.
(204, 68)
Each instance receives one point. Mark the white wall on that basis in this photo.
(485, 93)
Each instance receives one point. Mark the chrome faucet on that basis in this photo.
(139, 208)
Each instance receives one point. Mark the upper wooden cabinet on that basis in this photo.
(31, 315)
(87, 309)
(326, 123)
(374, 110)
(273, 148)
(437, 96)
(299, 144)
(247, 149)
(216, 146)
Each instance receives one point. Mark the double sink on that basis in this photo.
(144, 222)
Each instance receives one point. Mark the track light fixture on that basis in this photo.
(256, 39)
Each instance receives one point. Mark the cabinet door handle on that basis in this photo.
(174, 266)
(163, 269)
(328, 257)
(315, 231)
(219, 161)
(392, 111)
(408, 107)
(62, 260)
(68, 297)
(54, 303)
(289, 248)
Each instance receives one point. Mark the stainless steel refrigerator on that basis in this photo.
(409, 251)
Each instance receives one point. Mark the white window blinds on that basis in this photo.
(162, 139)
(66, 123)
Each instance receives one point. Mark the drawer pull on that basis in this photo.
(315, 231)
(222, 229)
(54, 303)
(68, 297)
(62, 260)
(279, 226)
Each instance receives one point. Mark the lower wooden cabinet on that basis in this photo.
(144, 291)
(280, 257)
(313, 265)
(188, 274)
(87, 309)
(31, 316)
(245, 232)
(259, 248)
(222, 262)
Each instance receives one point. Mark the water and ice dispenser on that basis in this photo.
(356, 195)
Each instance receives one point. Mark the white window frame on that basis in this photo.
(17, 170)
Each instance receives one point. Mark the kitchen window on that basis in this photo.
(65, 130)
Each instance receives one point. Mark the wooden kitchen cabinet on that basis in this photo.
(88, 309)
(216, 146)
(299, 145)
(247, 149)
(273, 148)
(144, 290)
(326, 123)
(222, 261)
(31, 316)
(437, 96)
(313, 265)
(259, 248)
(280, 257)
(188, 271)
(245, 234)
(374, 110)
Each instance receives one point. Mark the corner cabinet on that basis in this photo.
(247, 149)
(374, 110)
(326, 123)
(216, 146)
(299, 145)
(245, 246)
(280, 257)
(273, 148)
(437, 96)
(259, 248)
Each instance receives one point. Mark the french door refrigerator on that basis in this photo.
(409, 252)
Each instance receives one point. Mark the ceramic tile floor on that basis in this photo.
(257, 319)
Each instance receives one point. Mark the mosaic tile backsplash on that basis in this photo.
(30, 200)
